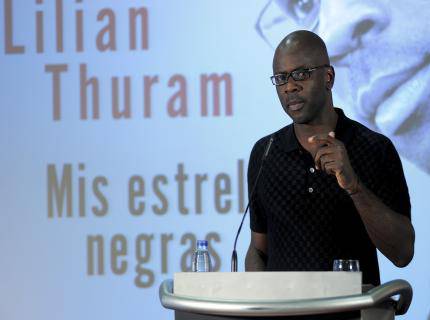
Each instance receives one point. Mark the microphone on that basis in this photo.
(265, 154)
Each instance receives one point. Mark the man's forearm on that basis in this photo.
(255, 259)
(391, 232)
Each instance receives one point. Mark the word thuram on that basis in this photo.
(133, 96)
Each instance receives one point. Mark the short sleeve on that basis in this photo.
(258, 221)
(393, 190)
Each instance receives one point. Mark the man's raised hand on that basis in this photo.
(332, 157)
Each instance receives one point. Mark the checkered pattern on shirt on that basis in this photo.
(308, 228)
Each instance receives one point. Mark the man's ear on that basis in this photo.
(330, 78)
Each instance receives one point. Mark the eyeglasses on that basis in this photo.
(298, 75)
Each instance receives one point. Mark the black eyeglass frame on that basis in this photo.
(294, 72)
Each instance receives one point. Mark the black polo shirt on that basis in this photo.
(308, 218)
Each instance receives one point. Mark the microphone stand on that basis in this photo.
(234, 253)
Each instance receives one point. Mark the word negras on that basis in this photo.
(119, 254)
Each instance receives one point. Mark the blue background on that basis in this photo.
(43, 270)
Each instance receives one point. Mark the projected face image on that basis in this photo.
(380, 50)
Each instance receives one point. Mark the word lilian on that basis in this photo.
(109, 96)
(49, 31)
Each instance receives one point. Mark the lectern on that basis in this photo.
(282, 295)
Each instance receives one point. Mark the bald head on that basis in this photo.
(306, 44)
(309, 99)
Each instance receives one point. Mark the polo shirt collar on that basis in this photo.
(344, 132)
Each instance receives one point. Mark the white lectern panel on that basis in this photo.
(267, 285)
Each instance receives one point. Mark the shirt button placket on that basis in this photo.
(311, 170)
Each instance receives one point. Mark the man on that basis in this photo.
(386, 44)
(330, 187)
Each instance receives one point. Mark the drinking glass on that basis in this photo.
(346, 265)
